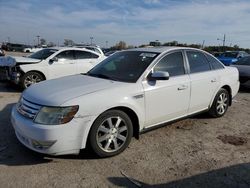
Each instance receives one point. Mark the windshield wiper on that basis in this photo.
(101, 76)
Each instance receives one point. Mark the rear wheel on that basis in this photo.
(31, 78)
(220, 103)
(111, 133)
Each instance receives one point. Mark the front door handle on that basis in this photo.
(214, 80)
(182, 87)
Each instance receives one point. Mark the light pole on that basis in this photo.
(91, 39)
(38, 40)
(106, 43)
(223, 40)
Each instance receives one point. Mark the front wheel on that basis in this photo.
(111, 133)
(220, 103)
(31, 78)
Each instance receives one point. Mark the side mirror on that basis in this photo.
(52, 60)
(158, 75)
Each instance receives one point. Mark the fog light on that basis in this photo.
(42, 144)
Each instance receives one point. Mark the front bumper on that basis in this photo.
(62, 139)
(6, 73)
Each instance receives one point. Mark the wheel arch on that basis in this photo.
(131, 114)
(36, 72)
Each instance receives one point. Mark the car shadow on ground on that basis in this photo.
(228, 177)
(9, 87)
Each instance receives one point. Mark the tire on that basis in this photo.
(111, 133)
(30, 78)
(220, 103)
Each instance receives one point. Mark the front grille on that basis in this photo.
(27, 108)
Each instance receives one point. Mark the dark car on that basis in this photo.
(230, 57)
(243, 65)
(14, 47)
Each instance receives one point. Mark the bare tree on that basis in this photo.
(42, 41)
(68, 42)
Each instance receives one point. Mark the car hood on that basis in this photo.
(25, 60)
(58, 91)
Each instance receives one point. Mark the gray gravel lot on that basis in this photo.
(196, 152)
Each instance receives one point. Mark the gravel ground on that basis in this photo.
(196, 152)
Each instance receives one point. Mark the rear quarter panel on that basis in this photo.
(230, 77)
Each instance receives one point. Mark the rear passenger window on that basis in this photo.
(85, 55)
(172, 63)
(197, 62)
(214, 62)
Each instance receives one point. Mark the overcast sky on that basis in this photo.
(133, 21)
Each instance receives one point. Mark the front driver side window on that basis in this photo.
(172, 63)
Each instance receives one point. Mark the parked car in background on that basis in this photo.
(217, 54)
(2, 53)
(128, 93)
(93, 48)
(14, 47)
(243, 65)
(111, 52)
(230, 57)
(31, 50)
(50, 63)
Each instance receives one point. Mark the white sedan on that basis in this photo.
(50, 63)
(126, 94)
(31, 50)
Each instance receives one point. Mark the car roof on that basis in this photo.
(72, 48)
(162, 49)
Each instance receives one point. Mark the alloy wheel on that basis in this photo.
(31, 79)
(222, 103)
(112, 134)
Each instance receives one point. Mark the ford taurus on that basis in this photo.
(126, 94)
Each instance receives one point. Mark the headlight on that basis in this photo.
(56, 115)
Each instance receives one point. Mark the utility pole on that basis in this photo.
(91, 39)
(223, 40)
(38, 40)
(203, 43)
(106, 44)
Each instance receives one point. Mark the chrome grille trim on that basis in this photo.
(27, 108)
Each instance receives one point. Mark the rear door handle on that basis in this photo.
(182, 87)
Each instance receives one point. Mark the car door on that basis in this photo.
(63, 64)
(167, 100)
(204, 81)
(85, 60)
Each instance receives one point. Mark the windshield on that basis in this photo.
(230, 54)
(43, 54)
(126, 66)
